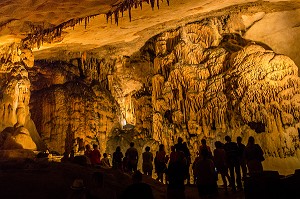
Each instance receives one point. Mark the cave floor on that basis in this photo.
(51, 180)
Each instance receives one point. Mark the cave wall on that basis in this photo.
(71, 105)
(209, 82)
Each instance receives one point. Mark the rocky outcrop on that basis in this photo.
(208, 83)
(71, 107)
(14, 100)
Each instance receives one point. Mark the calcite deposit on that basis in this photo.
(198, 69)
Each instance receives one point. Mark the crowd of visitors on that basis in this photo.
(174, 169)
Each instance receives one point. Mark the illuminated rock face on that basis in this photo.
(18, 130)
(70, 112)
(208, 83)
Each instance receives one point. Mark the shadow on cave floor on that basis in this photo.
(52, 180)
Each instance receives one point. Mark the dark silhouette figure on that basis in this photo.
(207, 177)
(242, 161)
(204, 146)
(182, 146)
(176, 175)
(232, 160)
(160, 162)
(147, 161)
(117, 159)
(220, 163)
(95, 155)
(138, 189)
(88, 151)
(254, 155)
(132, 158)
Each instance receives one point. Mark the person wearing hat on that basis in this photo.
(78, 190)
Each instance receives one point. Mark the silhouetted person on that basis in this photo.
(117, 159)
(220, 163)
(188, 163)
(88, 151)
(160, 163)
(147, 161)
(254, 155)
(72, 155)
(78, 190)
(95, 155)
(176, 175)
(132, 158)
(207, 177)
(241, 149)
(194, 168)
(232, 160)
(204, 146)
(138, 189)
(182, 146)
(105, 161)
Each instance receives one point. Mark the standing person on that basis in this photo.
(254, 155)
(132, 158)
(241, 149)
(188, 163)
(105, 161)
(206, 179)
(160, 163)
(88, 151)
(220, 163)
(176, 175)
(232, 161)
(181, 146)
(204, 146)
(147, 161)
(194, 168)
(117, 159)
(95, 155)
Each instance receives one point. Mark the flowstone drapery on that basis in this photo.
(208, 83)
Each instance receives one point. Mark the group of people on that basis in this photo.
(174, 169)
(95, 156)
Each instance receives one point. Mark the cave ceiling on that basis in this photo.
(19, 18)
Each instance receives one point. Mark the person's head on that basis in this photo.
(203, 141)
(147, 148)
(118, 149)
(87, 147)
(218, 144)
(251, 140)
(227, 138)
(239, 139)
(95, 146)
(105, 155)
(137, 177)
(131, 144)
(204, 153)
(173, 148)
(161, 147)
(179, 140)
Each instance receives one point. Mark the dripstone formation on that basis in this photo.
(199, 80)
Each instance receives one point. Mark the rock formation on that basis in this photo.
(201, 76)
(18, 130)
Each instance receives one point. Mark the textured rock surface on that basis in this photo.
(208, 74)
(14, 99)
(71, 113)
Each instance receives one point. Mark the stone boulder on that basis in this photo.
(19, 139)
